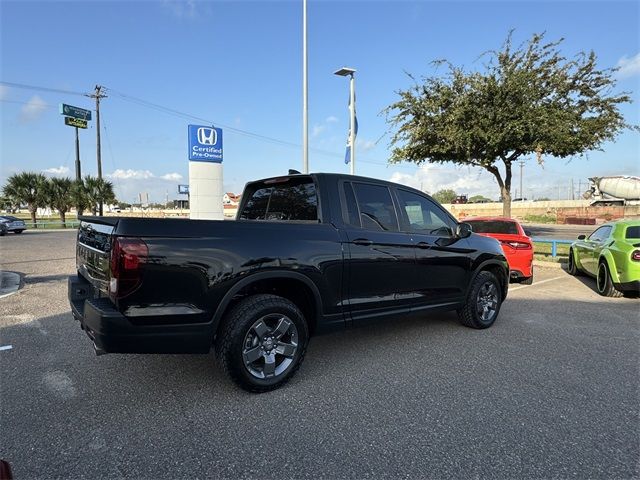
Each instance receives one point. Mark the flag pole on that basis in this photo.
(305, 93)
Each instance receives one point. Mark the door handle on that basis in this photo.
(423, 245)
(363, 241)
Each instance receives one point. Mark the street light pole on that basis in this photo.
(344, 72)
(352, 130)
(305, 93)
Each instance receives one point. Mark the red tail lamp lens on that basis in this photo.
(127, 255)
(518, 245)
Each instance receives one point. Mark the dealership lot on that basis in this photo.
(551, 390)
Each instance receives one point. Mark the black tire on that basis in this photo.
(477, 298)
(604, 284)
(18, 231)
(238, 337)
(572, 267)
(3, 233)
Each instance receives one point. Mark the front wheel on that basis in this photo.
(604, 282)
(572, 267)
(483, 302)
(261, 342)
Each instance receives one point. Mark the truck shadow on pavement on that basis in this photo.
(550, 376)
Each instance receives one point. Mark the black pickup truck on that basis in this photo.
(306, 253)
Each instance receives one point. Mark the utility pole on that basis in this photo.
(78, 171)
(98, 95)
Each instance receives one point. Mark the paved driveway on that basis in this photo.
(552, 390)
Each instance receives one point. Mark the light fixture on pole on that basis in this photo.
(349, 72)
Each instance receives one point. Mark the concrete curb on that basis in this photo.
(555, 265)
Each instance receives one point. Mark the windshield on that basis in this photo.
(493, 226)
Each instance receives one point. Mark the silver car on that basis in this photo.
(13, 224)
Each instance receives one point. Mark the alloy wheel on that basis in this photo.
(270, 346)
(487, 301)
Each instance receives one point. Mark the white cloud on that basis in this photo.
(172, 176)
(32, 110)
(181, 8)
(629, 67)
(431, 178)
(58, 171)
(129, 183)
(364, 145)
(317, 130)
(127, 174)
(331, 119)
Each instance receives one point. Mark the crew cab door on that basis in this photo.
(380, 262)
(443, 267)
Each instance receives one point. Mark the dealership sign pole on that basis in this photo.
(76, 117)
(205, 173)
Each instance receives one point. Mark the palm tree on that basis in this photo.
(29, 188)
(59, 195)
(80, 196)
(99, 192)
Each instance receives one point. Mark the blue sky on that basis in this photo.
(238, 64)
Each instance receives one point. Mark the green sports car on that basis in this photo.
(611, 254)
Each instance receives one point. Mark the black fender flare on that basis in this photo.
(482, 266)
(270, 275)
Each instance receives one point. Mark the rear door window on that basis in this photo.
(289, 199)
(376, 207)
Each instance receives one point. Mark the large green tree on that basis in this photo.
(27, 188)
(525, 100)
(445, 196)
(59, 196)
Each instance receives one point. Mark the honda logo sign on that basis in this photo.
(205, 144)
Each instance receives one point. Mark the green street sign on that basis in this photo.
(75, 122)
(75, 112)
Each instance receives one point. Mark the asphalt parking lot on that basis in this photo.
(552, 390)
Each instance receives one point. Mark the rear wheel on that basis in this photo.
(483, 302)
(262, 342)
(604, 283)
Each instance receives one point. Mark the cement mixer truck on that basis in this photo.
(616, 190)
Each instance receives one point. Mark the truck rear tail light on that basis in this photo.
(127, 254)
(635, 255)
(518, 245)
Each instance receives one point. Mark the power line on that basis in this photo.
(44, 89)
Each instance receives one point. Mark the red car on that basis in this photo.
(516, 244)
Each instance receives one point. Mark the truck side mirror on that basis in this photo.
(463, 230)
(581, 237)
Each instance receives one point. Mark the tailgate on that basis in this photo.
(93, 251)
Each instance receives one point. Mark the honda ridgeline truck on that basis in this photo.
(306, 253)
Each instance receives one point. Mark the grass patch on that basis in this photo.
(540, 218)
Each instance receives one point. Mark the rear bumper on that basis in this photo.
(113, 332)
